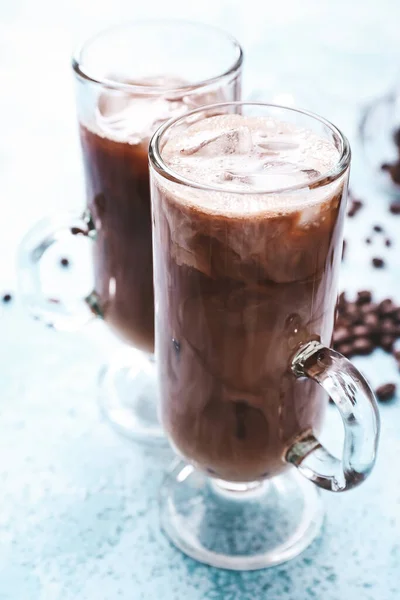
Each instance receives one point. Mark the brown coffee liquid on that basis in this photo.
(115, 152)
(118, 194)
(240, 286)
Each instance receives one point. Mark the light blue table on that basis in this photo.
(78, 505)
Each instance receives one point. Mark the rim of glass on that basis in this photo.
(324, 179)
(81, 72)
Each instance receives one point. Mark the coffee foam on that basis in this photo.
(233, 153)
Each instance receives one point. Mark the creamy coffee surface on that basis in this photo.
(236, 153)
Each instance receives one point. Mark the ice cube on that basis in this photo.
(219, 143)
(310, 215)
(311, 173)
(134, 118)
(277, 146)
(241, 169)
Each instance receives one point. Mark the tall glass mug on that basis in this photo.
(248, 209)
(129, 80)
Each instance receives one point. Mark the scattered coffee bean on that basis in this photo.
(387, 326)
(345, 349)
(385, 392)
(378, 263)
(387, 342)
(342, 299)
(7, 298)
(363, 346)
(64, 262)
(393, 170)
(353, 313)
(77, 231)
(386, 307)
(378, 228)
(368, 308)
(364, 325)
(355, 206)
(372, 322)
(396, 137)
(367, 240)
(388, 242)
(360, 331)
(342, 335)
(363, 297)
(395, 208)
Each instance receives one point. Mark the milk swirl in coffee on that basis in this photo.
(248, 251)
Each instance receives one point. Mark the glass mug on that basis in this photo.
(245, 284)
(129, 80)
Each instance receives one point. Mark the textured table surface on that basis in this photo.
(78, 508)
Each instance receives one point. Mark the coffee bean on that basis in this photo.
(363, 297)
(386, 307)
(7, 298)
(342, 322)
(353, 312)
(396, 137)
(395, 208)
(360, 331)
(342, 302)
(387, 326)
(371, 321)
(396, 354)
(385, 392)
(367, 240)
(354, 208)
(363, 325)
(64, 262)
(341, 335)
(387, 342)
(346, 350)
(378, 228)
(362, 346)
(388, 242)
(378, 263)
(369, 308)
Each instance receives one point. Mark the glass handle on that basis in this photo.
(357, 406)
(64, 315)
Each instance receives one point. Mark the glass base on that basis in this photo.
(128, 397)
(239, 527)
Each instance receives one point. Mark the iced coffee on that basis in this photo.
(247, 241)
